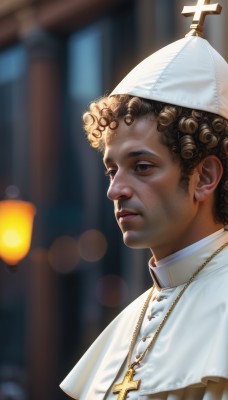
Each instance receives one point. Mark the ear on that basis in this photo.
(210, 171)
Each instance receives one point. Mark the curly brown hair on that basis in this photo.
(190, 135)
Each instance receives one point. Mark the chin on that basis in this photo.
(134, 240)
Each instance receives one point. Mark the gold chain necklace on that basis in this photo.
(128, 383)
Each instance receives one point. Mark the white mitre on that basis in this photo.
(188, 73)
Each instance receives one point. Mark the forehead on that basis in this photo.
(140, 127)
(142, 133)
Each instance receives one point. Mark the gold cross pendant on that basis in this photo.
(199, 13)
(128, 384)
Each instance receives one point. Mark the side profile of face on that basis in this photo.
(151, 208)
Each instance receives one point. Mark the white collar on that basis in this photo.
(177, 268)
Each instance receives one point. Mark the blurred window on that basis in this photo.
(85, 63)
(13, 117)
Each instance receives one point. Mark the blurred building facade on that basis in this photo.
(56, 57)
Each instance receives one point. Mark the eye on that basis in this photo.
(143, 167)
(110, 172)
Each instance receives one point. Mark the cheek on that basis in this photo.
(170, 200)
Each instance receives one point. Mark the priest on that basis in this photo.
(163, 133)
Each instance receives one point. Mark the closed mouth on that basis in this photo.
(125, 214)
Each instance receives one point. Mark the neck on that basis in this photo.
(177, 268)
(172, 246)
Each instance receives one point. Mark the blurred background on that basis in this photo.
(56, 56)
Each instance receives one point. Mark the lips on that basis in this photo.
(125, 215)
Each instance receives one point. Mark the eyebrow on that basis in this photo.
(132, 154)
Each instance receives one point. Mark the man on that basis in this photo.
(164, 136)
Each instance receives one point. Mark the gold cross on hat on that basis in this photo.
(199, 13)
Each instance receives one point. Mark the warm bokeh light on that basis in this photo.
(92, 245)
(111, 291)
(63, 255)
(16, 222)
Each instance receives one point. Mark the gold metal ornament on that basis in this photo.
(199, 12)
(127, 385)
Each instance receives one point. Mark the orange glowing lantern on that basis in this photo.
(16, 222)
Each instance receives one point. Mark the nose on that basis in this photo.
(119, 188)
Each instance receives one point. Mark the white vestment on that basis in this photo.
(189, 359)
